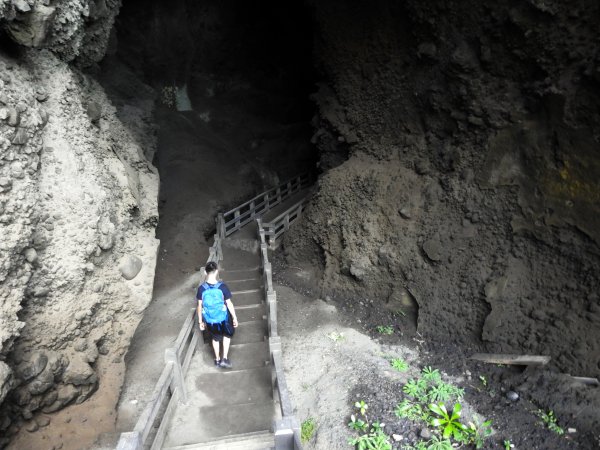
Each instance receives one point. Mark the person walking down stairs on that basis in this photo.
(217, 314)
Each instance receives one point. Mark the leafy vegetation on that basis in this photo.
(549, 419)
(430, 388)
(399, 364)
(307, 429)
(426, 402)
(507, 444)
(373, 436)
(435, 443)
(384, 329)
(448, 421)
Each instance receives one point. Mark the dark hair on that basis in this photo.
(211, 266)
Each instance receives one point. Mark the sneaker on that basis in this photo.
(226, 364)
(217, 362)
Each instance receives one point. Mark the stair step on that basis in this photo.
(235, 386)
(247, 441)
(252, 313)
(209, 423)
(244, 284)
(243, 356)
(246, 332)
(247, 298)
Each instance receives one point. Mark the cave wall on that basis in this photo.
(460, 144)
(78, 211)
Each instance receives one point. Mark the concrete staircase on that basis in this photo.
(232, 408)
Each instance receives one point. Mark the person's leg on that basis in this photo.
(226, 342)
(216, 348)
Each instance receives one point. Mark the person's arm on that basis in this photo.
(200, 318)
(231, 309)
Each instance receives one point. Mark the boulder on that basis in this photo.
(42, 383)
(130, 266)
(32, 366)
(79, 372)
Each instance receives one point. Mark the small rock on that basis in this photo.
(31, 255)
(433, 249)
(3, 113)
(571, 430)
(43, 421)
(21, 137)
(425, 434)
(405, 212)
(397, 437)
(512, 396)
(94, 111)
(130, 267)
(41, 95)
(32, 426)
(13, 117)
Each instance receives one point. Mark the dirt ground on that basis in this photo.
(334, 357)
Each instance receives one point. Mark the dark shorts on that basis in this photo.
(218, 330)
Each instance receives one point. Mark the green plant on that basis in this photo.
(335, 336)
(483, 380)
(435, 443)
(384, 329)
(416, 389)
(477, 432)
(307, 429)
(362, 407)
(441, 392)
(507, 444)
(399, 364)
(376, 439)
(409, 410)
(432, 376)
(447, 422)
(358, 424)
(550, 420)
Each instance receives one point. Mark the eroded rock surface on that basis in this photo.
(77, 195)
(464, 137)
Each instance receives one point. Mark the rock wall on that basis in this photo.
(460, 143)
(78, 211)
(75, 30)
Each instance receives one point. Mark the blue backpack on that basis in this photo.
(214, 309)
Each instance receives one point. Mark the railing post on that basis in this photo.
(171, 357)
(272, 308)
(236, 215)
(221, 225)
(284, 432)
(132, 440)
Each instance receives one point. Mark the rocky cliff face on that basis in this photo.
(462, 142)
(77, 214)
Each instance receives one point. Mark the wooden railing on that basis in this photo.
(280, 224)
(245, 213)
(286, 428)
(170, 388)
